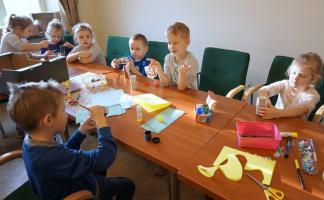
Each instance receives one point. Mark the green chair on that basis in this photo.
(117, 47)
(25, 190)
(222, 70)
(69, 38)
(158, 51)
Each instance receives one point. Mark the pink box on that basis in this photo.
(259, 135)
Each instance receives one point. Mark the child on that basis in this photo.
(87, 50)
(18, 29)
(54, 34)
(180, 66)
(137, 63)
(297, 96)
(56, 170)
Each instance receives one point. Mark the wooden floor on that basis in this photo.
(142, 172)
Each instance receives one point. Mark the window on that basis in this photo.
(26, 7)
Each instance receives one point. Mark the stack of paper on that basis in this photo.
(151, 102)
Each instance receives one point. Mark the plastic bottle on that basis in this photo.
(139, 114)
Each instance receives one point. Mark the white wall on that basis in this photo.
(261, 27)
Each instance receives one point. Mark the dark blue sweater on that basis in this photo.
(57, 170)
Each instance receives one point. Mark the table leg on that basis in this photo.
(173, 186)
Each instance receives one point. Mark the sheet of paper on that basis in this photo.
(151, 102)
(106, 98)
(81, 115)
(162, 120)
(114, 110)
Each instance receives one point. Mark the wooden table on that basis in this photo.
(182, 139)
(285, 175)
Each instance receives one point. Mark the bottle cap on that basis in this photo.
(156, 140)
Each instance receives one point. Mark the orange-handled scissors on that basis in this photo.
(269, 192)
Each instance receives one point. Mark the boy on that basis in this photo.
(137, 62)
(180, 66)
(57, 170)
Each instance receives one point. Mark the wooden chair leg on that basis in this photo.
(2, 131)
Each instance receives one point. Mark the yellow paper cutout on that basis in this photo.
(151, 102)
(254, 162)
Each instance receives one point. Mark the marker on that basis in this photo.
(300, 178)
(288, 146)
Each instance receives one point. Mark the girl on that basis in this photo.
(297, 96)
(54, 34)
(87, 50)
(18, 29)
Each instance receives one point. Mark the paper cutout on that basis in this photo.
(151, 102)
(211, 100)
(168, 117)
(233, 169)
(106, 98)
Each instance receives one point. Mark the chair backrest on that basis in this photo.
(117, 47)
(69, 38)
(222, 70)
(158, 51)
(320, 89)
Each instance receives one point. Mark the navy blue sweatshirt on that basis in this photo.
(57, 170)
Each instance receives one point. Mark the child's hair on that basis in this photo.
(82, 26)
(30, 102)
(140, 37)
(179, 28)
(311, 60)
(14, 21)
(54, 24)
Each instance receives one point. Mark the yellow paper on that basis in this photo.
(232, 169)
(151, 102)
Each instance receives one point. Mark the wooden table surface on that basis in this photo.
(284, 177)
(183, 138)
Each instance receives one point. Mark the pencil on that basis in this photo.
(300, 178)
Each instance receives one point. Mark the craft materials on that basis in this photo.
(147, 136)
(261, 102)
(151, 102)
(232, 169)
(300, 178)
(133, 82)
(139, 114)
(288, 146)
(270, 193)
(312, 143)
(307, 155)
(203, 113)
(287, 134)
(156, 140)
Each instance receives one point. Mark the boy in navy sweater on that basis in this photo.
(56, 170)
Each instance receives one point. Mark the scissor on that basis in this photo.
(269, 192)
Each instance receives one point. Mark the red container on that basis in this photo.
(259, 135)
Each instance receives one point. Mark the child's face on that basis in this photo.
(177, 44)
(137, 48)
(25, 33)
(300, 76)
(84, 38)
(59, 122)
(55, 36)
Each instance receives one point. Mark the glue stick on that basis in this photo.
(139, 114)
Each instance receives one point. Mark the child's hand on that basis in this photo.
(131, 65)
(69, 45)
(44, 44)
(155, 65)
(48, 52)
(98, 115)
(84, 54)
(115, 63)
(184, 69)
(88, 126)
(269, 112)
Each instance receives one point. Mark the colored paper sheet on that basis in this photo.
(151, 102)
(114, 110)
(106, 98)
(162, 120)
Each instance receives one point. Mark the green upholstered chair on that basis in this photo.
(117, 47)
(158, 51)
(277, 72)
(222, 70)
(69, 38)
(25, 190)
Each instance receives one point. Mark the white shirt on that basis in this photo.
(289, 97)
(10, 42)
(171, 69)
(96, 53)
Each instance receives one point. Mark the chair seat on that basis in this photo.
(23, 192)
